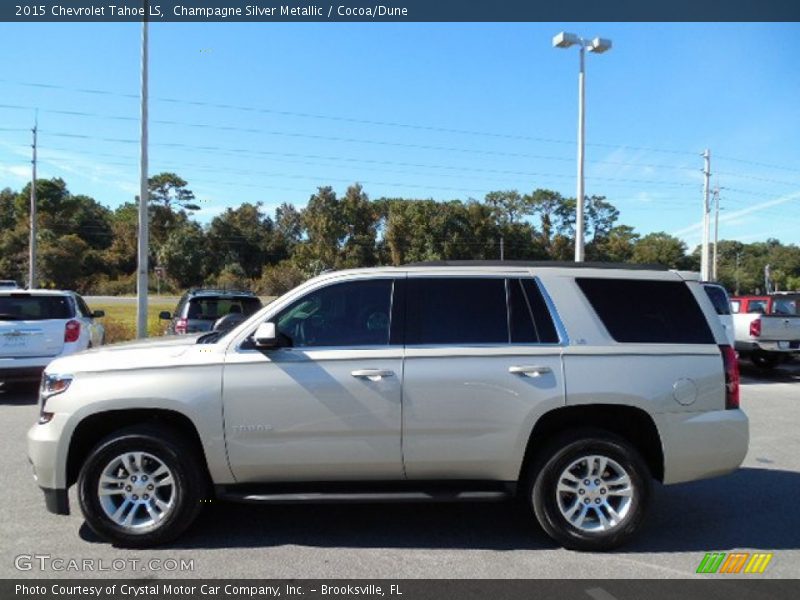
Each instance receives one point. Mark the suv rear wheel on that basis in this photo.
(590, 490)
(141, 486)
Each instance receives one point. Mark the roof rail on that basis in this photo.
(561, 264)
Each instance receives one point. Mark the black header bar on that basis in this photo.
(399, 10)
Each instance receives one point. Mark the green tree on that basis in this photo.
(659, 249)
(184, 255)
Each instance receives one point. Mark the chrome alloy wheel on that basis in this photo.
(594, 493)
(137, 491)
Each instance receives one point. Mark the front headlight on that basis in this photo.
(52, 385)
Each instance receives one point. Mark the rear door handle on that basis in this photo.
(372, 374)
(529, 370)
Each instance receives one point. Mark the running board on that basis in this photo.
(365, 497)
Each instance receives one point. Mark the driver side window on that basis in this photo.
(353, 313)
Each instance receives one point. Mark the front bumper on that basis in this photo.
(56, 501)
(702, 445)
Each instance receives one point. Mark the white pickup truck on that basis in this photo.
(767, 329)
(37, 326)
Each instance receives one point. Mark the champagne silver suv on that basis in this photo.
(569, 387)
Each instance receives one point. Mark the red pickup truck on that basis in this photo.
(767, 328)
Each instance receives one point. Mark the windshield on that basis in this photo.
(25, 307)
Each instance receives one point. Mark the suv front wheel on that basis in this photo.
(589, 490)
(141, 486)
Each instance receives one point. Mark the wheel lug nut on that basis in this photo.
(128, 488)
(135, 497)
(133, 477)
(597, 482)
(586, 482)
(602, 490)
(597, 501)
(146, 497)
(144, 477)
(150, 487)
(581, 491)
(586, 501)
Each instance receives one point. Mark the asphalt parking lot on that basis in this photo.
(755, 509)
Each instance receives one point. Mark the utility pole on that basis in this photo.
(716, 234)
(704, 267)
(143, 247)
(32, 246)
(502, 248)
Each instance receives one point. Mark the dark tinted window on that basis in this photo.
(25, 307)
(784, 306)
(647, 311)
(718, 298)
(82, 307)
(456, 311)
(356, 313)
(757, 306)
(211, 308)
(529, 317)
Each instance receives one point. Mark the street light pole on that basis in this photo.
(580, 196)
(598, 46)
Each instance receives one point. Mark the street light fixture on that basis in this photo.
(598, 46)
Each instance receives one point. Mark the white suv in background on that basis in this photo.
(571, 387)
(37, 326)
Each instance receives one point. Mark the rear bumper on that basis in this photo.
(12, 372)
(787, 347)
(702, 445)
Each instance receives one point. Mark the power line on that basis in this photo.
(413, 126)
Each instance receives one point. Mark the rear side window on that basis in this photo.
(528, 316)
(454, 310)
(641, 311)
(718, 298)
(757, 306)
(25, 307)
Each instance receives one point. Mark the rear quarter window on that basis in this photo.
(642, 311)
(718, 298)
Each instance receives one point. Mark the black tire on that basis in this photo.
(171, 448)
(556, 458)
(765, 360)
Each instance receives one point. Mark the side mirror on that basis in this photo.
(266, 336)
(98, 313)
(165, 315)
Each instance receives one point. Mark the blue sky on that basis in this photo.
(268, 112)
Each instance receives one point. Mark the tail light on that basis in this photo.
(72, 331)
(181, 325)
(755, 328)
(731, 366)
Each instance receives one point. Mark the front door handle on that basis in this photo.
(529, 370)
(372, 374)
